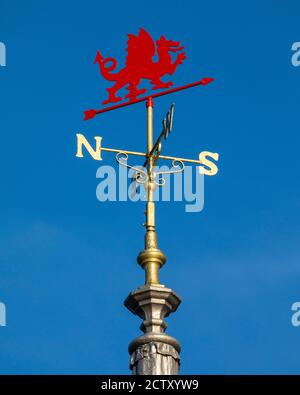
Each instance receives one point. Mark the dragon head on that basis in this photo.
(169, 45)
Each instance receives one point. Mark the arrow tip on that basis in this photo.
(206, 80)
(89, 114)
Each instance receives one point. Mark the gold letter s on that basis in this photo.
(213, 169)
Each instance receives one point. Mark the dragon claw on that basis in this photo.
(163, 85)
(134, 93)
(112, 100)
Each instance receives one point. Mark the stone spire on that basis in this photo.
(155, 352)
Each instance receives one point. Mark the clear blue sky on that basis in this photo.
(67, 262)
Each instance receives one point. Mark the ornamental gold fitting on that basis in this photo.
(151, 260)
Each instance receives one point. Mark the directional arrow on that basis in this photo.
(89, 114)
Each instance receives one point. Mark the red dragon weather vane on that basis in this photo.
(139, 65)
(153, 301)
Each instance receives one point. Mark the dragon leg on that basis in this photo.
(134, 91)
(112, 98)
(158, 84)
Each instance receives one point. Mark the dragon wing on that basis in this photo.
(140, 49)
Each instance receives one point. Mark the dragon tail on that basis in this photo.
(106, 70)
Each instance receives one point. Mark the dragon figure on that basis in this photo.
(140, 65)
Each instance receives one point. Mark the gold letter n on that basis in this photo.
(95, 153)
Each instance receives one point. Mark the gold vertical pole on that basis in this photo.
(151, 259)
(150, 214)
(149, 106)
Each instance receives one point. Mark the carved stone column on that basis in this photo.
(154, 353)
